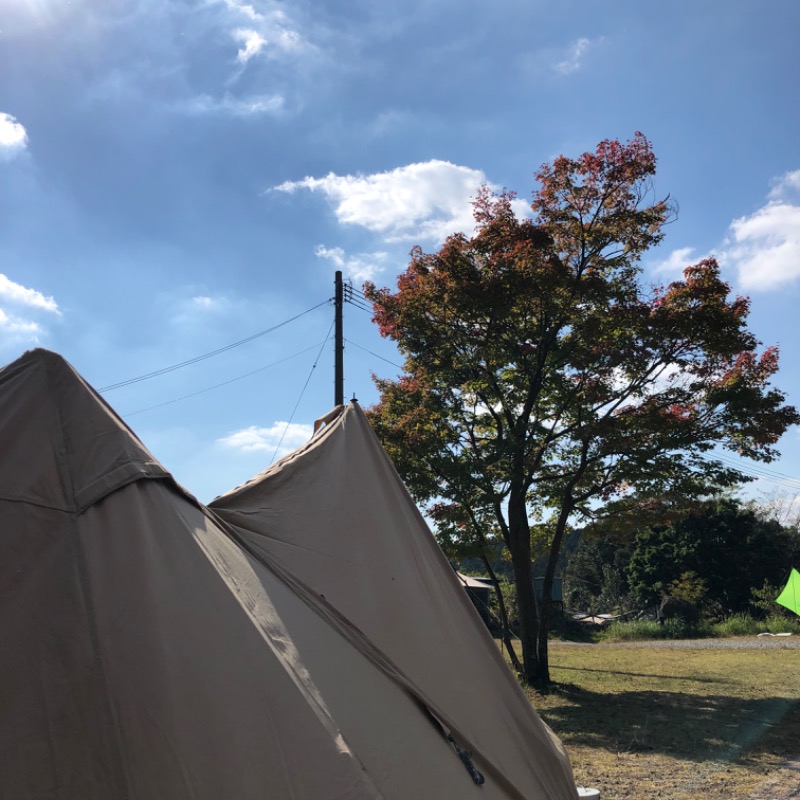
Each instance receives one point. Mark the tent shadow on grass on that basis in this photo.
(684, 726)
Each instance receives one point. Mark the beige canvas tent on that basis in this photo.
(152, 652)
(336, 515)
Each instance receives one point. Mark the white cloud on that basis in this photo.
(18, 328)
(786, 185)
(253, 43)
(574, 60)
(271, 34)
(243, 8)
(13, 136)
(360, 267)
(764, 247)
(676, 261)
(16, 293)
(255, 439)
(427, 200)
(235, 106)
(195, 311)
(204, 303)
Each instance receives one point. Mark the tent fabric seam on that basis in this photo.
(91, 624)
(93, 498)
(372, 652)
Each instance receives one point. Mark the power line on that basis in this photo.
(356, 298)
(761, 473)
(204, 356)
(350, 341)
(218, 385)
(302, 392)
(362, 306)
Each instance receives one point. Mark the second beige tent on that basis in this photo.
(335, 515)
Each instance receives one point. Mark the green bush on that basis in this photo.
(738, 625)
(745, 625)
(690, 587)
(734, 625)
(634, 630)
(781, 624)
(763, 599)
(643, 629)
(681, 629)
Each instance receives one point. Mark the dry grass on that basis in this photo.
(645, 722)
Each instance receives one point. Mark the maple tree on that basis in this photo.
(543, 382)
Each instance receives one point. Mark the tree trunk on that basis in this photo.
(520, 538)
(505, 630)
(542, 678)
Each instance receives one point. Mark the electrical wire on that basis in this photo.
(302, 392)
(350, 341)
(760, 473)
(362, 306)
(204, 356)
(218, 385)
(356, 298)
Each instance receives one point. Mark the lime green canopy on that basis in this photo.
(790, 596)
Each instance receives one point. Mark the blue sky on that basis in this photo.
(178, 175)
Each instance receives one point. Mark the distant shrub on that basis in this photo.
(643, 629)
(763, 600)
(734, 625)
(690, 587)
(738, 625)
(746, 625)
(634, 630)
(682, 629)
(780, 624)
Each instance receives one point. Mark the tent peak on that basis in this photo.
(64, 446)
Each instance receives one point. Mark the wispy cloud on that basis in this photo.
(764, 247)
(427, 200)
(204, 303)
(13, 137)
(17, 328)
(17, 293)
(574, 57)
(676, 261)
(786, 186)
(256, 440)
(358, 267)
(252, 44)
(244, 9)
(195, 312)
(14, 327)
(271, 33)
(228, 104)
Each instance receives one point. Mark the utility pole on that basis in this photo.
(338, 394)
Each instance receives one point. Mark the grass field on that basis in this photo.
(650, 722)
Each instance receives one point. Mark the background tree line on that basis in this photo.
(724, 556)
